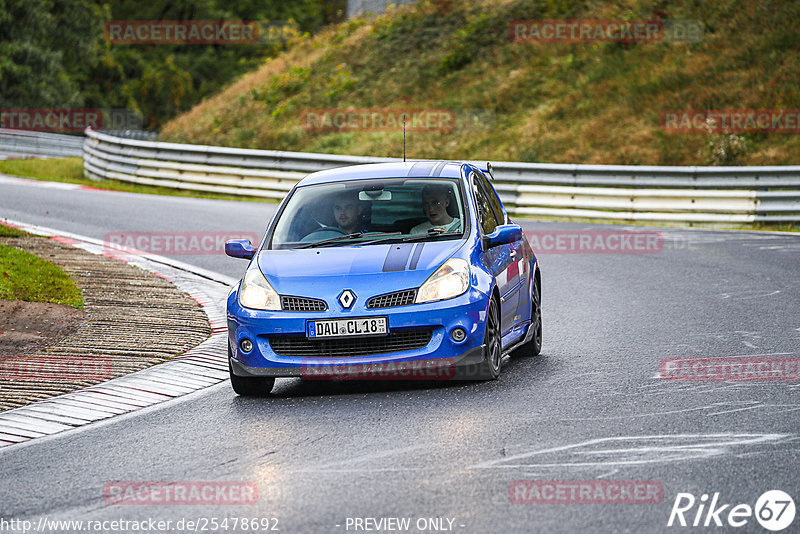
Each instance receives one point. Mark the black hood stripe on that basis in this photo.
(439, 168)
(397, 257)
(415, 257)
(422, 168)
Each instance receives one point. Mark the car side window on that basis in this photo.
(486, 216)
(492, 196)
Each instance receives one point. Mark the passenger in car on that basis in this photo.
(435, 201)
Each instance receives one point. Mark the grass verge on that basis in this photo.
(24, 276)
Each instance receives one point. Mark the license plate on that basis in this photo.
(358, 326)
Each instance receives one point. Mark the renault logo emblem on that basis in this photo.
(347, 299)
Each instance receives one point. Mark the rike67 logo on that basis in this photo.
(774, 510)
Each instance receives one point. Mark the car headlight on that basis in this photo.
(256, 293)
(450, 280)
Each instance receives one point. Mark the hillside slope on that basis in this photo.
(534, 101)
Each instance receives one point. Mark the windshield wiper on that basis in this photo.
(433, 232)
(346, 237)
(384, 236)
(416, 237)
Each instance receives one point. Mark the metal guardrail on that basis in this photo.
(143, 135)
(22, 143)
(618, 192)
(26, 143)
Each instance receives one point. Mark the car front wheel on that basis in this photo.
(250, 386)
(493, 345)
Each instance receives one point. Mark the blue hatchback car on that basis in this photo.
(390, 270)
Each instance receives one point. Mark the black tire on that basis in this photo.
(489, 369)
(250, 386)
(534, 346)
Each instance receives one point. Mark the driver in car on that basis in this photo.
(435, 201)
(350, 213)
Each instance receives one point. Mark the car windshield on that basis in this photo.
(371, 211)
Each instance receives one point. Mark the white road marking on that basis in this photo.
(636, 450)
(737, 410)
(749, 294)
(612, 472)
(668, 412)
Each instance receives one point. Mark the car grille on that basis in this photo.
(302, 304)
(392, 300)
(301, 347)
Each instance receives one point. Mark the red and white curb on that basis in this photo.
(200, 367)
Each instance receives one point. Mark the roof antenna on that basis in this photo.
(404, 137)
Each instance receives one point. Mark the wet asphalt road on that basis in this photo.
(590, 407)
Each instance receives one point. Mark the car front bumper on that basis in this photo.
(441, 357)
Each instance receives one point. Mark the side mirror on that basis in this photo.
(240, 248)
(503, 235)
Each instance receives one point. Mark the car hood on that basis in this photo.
(379, 267)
